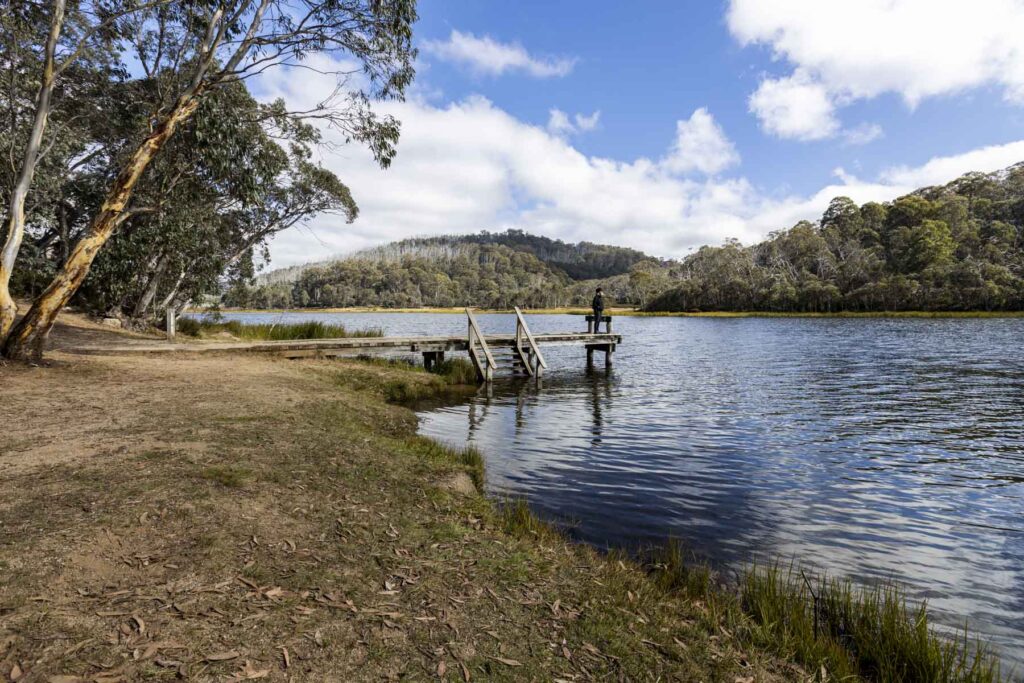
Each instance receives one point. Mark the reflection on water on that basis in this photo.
(868, 447)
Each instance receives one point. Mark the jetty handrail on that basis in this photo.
(476, 336)
(522, 327)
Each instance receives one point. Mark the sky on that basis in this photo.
(665, 125)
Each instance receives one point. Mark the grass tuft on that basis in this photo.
(456, 371)
(473, 461)
(231, 477)
(517, 519)
(675, 569)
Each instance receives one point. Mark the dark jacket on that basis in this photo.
(598, 303)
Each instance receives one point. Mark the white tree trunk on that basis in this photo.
(15, 223)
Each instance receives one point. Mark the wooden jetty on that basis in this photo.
(518, 353)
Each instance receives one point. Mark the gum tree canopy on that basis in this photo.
(95, 91)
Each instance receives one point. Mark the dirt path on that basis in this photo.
(239, 517)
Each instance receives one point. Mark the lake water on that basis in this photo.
(870, 448)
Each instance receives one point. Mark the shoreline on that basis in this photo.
(629, 312)
(300, 492)
(245, 515)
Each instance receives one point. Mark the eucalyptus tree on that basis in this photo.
(213, 205)
(53, 58)
(189, 49)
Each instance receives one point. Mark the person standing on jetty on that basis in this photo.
(598, 305)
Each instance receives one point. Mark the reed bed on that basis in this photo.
(310, 329)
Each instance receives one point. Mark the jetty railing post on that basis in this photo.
(172, 323)
(533, 361)
(484, 367)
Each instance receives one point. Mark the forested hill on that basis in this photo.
(580, 261)
(486, 269)
(953, 247)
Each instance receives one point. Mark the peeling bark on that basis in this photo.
(15, 224)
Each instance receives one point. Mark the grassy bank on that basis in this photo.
(835, 629)
(831, 626)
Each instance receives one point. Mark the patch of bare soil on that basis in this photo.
(240, 517)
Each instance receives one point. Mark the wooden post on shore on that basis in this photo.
(172, 323)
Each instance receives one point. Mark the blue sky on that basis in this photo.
(677, 123)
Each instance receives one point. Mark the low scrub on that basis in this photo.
(456, 371)
(441, 380)
(310, 329)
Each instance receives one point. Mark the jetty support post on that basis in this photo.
(609, 352)
(431, 359)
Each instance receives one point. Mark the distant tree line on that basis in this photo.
(956, 247)
(495, 270)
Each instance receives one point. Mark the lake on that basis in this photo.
(870, 448)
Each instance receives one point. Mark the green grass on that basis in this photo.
(837, 630)
(310, 329)
(829, 625)
(870, 631)
(231, 477)
(518, 520)
(456, 371)
(473, 461)
(454, 374)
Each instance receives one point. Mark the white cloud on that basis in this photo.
(863, 134)
(861, 49)
(469, 166)
(700, 145)
(794, 107)
(560, 124)
(485, 55)
(587, 123)
(942, 169)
